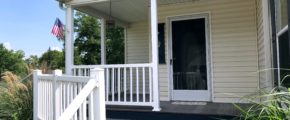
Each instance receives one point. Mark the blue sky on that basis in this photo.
(26, 25)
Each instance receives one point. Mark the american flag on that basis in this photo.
(57, 29)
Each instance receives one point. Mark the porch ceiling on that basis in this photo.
(127, 11)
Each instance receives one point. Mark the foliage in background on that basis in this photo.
(16, 101)
(12, 61)
(32, 62)
(51, 60)
(115, 45)
(87, 43)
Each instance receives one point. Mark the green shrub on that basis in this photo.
(273, 105)
(16, 100)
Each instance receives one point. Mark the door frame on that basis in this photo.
(169, 21)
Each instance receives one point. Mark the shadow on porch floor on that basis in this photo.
(209, 111)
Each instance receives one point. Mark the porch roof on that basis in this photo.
(123, 11)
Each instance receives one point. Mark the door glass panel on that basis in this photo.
(189, 55)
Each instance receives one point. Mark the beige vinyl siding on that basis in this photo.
(234, 44)
(137, 45)
(233, 41)
(164, 85)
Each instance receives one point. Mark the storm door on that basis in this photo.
(189, 59)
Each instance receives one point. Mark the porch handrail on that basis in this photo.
(113, 65)
(65, 78)
(78, 101)
(63, 97)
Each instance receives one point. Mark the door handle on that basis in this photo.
(171, 61)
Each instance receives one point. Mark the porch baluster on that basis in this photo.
(143, 70)
(113, 84)
(137, 84)
(131, 85)
(119, 86)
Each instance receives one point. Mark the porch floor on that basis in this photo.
(133, 115)
(218, 109)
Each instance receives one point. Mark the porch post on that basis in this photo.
(267, 43)
(69, 38)
(154, 44)
(103, 42)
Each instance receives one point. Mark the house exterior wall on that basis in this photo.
(137, 43)
(233, 39)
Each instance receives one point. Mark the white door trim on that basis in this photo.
(169, 20)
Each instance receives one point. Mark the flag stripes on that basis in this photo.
(57, 29)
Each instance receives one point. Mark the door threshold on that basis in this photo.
(188, 103)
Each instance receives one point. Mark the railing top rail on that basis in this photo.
(64, 78)
(114, 66)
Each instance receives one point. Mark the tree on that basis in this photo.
(32, 62)
(52, 59)
(12, 61)
(87, 43)
(115, 45)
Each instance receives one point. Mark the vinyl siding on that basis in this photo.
(137, 45)
(233, 42)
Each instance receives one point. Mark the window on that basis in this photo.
(283, 42)
(284, 58)
(161, 43)
(282, 15)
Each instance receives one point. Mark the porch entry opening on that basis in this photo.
(189, 59)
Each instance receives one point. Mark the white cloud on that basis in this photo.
(56, 48)
(7, 45)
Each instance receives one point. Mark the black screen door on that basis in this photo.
(189, 59)
(189, 55)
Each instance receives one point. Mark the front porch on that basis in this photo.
(126, 84)
(228, 46)
(58, 96)
(226, 71)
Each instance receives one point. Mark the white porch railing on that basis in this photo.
(128, 84)
(66, 97)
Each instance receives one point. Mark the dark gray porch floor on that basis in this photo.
(226, 109)
(133, 115)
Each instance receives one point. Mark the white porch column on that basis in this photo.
(103, 41)
(69, 40)
(267, 45)
(154, 44)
